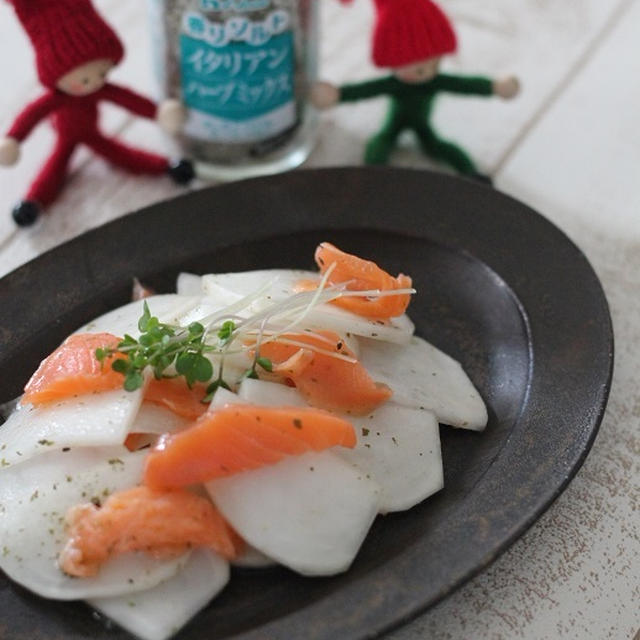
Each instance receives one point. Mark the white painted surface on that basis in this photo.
(570, 146)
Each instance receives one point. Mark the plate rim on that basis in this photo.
(451, 190)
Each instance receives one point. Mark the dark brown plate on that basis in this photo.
(500, 289)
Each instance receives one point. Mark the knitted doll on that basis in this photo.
(410, 37)
(75, 50)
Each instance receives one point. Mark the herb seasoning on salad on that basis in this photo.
(230, 423)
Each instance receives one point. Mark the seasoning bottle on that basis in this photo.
(244, 70)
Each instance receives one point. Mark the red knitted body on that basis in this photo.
(66, 34)
(75, 120)
(409, 31)
(50, 180)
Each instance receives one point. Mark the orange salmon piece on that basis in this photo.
(363, 275)
(325, 381)
(135, 441)
(164, 523)
(175, 395)
(73, 369)
(239, 438)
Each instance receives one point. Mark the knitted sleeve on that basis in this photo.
(367, 89)
(130, 100)
(470, 85)
(32, 114)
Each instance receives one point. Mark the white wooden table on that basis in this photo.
(569, 146)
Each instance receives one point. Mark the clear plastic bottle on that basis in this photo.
(244, 70)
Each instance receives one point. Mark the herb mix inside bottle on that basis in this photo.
(243, 69)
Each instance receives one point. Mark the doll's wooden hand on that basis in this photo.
(324, 95)
(506, 88)
(171, 116)
(9, 151)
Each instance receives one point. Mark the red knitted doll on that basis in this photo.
(75, 50)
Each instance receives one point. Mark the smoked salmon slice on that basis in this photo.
(363, 275)
(164, 523)
(324, 380)
(239, 438)
(136, 441)
(73, 369)
(175, 395)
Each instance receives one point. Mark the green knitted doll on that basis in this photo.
(410, 37)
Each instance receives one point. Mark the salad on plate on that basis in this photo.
(248, 419)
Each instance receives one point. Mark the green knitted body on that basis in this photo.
(410, 108)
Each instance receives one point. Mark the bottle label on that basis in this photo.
(234, 5)
(238, 77)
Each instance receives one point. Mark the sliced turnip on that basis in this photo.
(94, 419)
(329, 317)
(422, 376)
(168, 307)
(399, 448)
(251, 558)
(223, 397)
(280, 283)
(153, 418)
(189, 284)
(310, 512)
(34, 499)
(199, 312)
(159, 612)
(270, 394)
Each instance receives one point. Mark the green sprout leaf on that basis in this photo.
(203, 369)
(194, 367)
(143, 323)
(133, 381)
(265, 363)
(213, 387)
(120, 366)
(226, 331)
(161, 347)
(196, 330)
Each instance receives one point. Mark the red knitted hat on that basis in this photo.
(66, 34)
(409, 31)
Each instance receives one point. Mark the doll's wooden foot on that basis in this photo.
(25, 213)
(182, 171)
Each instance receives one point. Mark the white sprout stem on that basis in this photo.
(332, 295)
(302, 345)
(184, 308)
(308, 332)
(263, 317)
(229, 311)
(314, 348)
(298, 305)
(313, 303)
(289, 306)
(259, 341)
(275, 334)
(375, 293)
